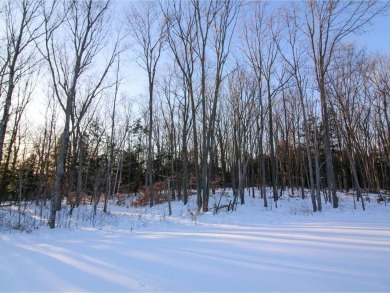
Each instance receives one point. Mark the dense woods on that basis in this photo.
(238, 94)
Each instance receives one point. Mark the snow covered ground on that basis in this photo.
(251, 249)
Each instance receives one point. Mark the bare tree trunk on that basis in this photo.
(317, 169)
(110, 163)
(184, 151)
(222, 152)
(149, 168)
(272, 146)
(355, 177)
(260, 130)
(80, 170)
(328, 150)
(60, 168)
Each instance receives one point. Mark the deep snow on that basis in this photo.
(251, 249)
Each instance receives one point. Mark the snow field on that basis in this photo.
(251, 249)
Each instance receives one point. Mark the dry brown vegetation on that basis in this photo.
(160, 193)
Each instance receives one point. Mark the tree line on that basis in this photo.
(241, 95)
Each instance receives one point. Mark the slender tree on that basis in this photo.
(146, 25)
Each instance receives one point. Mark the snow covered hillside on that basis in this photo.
(250, 249)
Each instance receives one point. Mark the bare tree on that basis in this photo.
(262, 40)
(242, 93)
(296, 60)
(379, 78)
(181, 35)
(109, 187)
(219, 19)
(346, 86)
(327, 24)
(22, 94)
(253, 35)
(45, 145)
(69, 60)
(22, 27)
(170, 94)
(146, 25)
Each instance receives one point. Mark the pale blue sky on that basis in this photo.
(377, 37)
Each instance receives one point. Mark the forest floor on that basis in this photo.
(288, 248)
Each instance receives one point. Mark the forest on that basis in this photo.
(243, 95)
